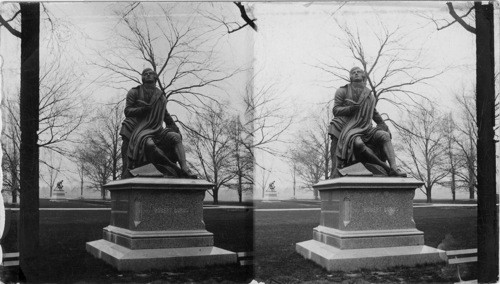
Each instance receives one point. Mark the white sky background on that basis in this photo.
(86, 28)
(291, 38)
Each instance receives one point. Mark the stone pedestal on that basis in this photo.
(157, 223)
(367, 222)
(58, 196)
(270, 196)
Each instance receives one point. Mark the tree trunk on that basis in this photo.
(240, 188)
(487, 215)
(28, 230)
(14, 196)
(428, 190)
(453, 186)
(215, 192)
(471, 191)
(81, 188)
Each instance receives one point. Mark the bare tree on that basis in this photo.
(266, 118)
(52, 170)
(453, 163)
(461, 13)
(181, 53)
(264, 175)
(81, 168)
(97, 167)
(99, 156)
(230, 22)
(311, 151)
(487, 229)
(393, 68)
(28, 235)
(62, 111)
(11, 137)
(423, 141)
(243, 164)
(210, 141)
(467, 142)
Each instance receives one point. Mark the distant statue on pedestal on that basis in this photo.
(58, 193)
(145, 139)
(271, 194)
(272, 187)
(354, 139)
(59, 185)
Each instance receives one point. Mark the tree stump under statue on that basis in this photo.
(367, 223)
(157, 223)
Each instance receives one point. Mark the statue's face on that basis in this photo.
(357, 75)
(149, 76)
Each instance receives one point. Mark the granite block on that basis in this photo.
(367, 223)
(368, 239)
(146, 207)
(335, 259)
(158, 239)
(125, 259)
(270, 196)
(354, 204)
(157, 223)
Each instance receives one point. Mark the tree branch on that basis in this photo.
(459, 19)
(244, 16)
(5, 23)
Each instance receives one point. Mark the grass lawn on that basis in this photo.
(64, 233)
(277, 232)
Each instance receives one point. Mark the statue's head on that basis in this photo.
(149, 76)
(357, 75)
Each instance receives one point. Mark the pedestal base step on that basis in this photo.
(334, 259)
(123, 258)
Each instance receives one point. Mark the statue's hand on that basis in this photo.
(354, 108)
(145, 109)
(384, 127)
(141, 103)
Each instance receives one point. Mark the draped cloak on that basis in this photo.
(149, 125)
(358, 125)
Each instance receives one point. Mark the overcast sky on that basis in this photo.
(292, 39)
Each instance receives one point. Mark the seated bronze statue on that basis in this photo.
(354, 139)
(145, 138)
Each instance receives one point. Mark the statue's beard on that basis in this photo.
(149, 83)
(358, 84)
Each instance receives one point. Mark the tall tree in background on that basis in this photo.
(243, 157)
(423, 141)
(52, 167)
(266, 117)
(453, 158)
(99, 156)
(487, 225)
(28, 230)
(61, 113)
(209, 140)
(311, 151)
(11, 136)
(466, 141)
(62, 110)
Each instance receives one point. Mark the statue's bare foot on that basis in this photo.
(397, 173)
